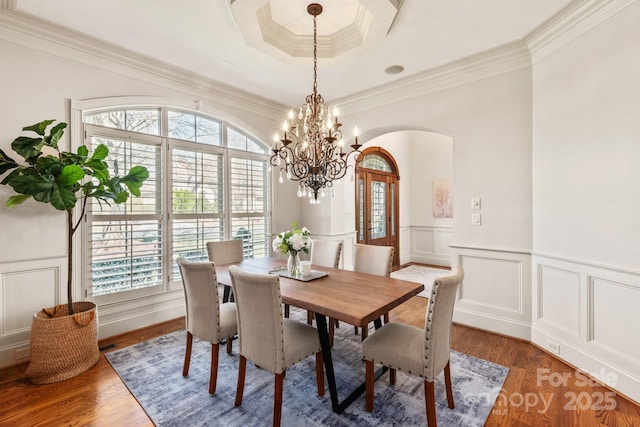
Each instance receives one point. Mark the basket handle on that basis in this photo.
(78, 316)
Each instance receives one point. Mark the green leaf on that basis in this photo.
(49, 165)
(100, 153)
(121, 197)
(62, 199)
(30, 184)
(56, 134)
(101, 175)
(16, 200)
(83, 151)
(6, 163)
(7, 179)
(27, 147)
(70, 175)
(135, 178)
(39, 128)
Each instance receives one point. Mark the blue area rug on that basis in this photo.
(152, 370)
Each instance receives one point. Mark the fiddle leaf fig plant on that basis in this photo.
(63, 178)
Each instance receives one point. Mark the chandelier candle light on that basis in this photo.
(311, 145)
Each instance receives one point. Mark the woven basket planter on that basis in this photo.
(65, 345)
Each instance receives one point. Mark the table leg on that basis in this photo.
(323, 334)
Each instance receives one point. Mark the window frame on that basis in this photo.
(166, 216)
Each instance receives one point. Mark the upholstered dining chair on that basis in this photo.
(325, 253)
(226, 252)
(376, 260)
(422, 352)
(206, 317)
(266, 338)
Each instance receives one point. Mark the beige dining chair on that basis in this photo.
(376, 260)
(226, 252)
(266, 338)
(324, 253)
(422, 352)
(206, 317)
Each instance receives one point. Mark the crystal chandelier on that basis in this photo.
(310, 149)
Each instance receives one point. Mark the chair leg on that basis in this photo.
(320, 373)
(286, 311)
(277, 399)
(392, 376)
(368, 364)
(430, 403)
(337, 323)
(309, 317)
(242, 369)
(447, 383)
(187, 355)
(213, 376)
(355, 330)
(364, 332)
(229, 345)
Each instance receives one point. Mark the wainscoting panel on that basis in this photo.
(25, 288)
(559, 292)
(588, 315)
(405, 245)
(613, 305)
(430, 245)
(496, 291)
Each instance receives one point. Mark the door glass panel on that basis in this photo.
(361, 209)
(393, 209)
(378, 210)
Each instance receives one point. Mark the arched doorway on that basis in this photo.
(377, 200)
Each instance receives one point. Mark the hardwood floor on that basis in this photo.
(98, 397)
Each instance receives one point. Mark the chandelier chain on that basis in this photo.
(311, 149)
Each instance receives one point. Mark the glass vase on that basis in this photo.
(293, 264)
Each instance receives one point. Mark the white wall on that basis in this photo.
(586, 103)
(39, 86)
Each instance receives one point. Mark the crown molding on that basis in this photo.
(571, 22)
(25, 30)
(503, 59)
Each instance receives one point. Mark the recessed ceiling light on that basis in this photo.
(394, 69)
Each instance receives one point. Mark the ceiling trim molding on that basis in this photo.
(25, 30)
(571, 22)
(503, 59)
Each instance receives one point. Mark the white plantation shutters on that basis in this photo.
(125, 240)
(207, 182)
(249, 205)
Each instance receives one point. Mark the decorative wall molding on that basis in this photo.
(429, 244)
(571, 22)
(496, 292)
(25, 30)
(509, 57)
(25, 288)
(606, 301)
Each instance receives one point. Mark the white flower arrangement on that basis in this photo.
(293, 241)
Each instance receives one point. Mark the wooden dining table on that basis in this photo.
(348, 296)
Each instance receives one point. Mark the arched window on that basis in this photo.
(208, 181)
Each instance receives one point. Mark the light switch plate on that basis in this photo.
(475, 219)
(475, 203)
